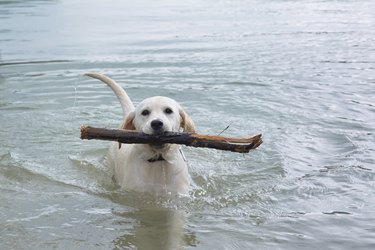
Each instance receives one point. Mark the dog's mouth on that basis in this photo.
(158, 146)
(158, 132)
(154, 132)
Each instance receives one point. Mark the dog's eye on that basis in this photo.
(168, 111)
(145, 112)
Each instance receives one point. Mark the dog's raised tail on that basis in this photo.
(126, 104)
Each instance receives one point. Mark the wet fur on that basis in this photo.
(136, 166)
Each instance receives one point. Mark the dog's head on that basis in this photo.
(159, 114)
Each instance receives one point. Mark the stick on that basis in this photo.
(241, 145)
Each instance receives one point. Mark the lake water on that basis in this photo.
(302, 73)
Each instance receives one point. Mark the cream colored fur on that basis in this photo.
(136, 166)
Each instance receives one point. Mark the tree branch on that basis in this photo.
(240, 145)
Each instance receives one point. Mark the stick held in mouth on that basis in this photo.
(240, 145)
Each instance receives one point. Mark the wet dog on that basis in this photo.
(144, 167)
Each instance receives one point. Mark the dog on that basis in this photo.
(145, 167)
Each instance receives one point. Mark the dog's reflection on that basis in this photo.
(156, 228)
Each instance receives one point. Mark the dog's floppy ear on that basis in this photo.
(129, 121)
(187, 123)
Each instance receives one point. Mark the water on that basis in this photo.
(299, 72)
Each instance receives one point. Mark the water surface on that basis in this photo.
(299, 72)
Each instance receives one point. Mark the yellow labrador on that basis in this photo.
(143, 167)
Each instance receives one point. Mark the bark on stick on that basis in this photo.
(240, 145)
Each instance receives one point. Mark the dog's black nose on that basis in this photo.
(156, 124)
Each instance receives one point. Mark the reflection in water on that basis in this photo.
(157, 221)
(156, 228)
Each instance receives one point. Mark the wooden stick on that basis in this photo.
(241, 145)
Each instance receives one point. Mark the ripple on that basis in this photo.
(297, 72)
(8, 63)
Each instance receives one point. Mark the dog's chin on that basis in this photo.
(158, 146)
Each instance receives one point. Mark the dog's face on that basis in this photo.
(159, 114)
